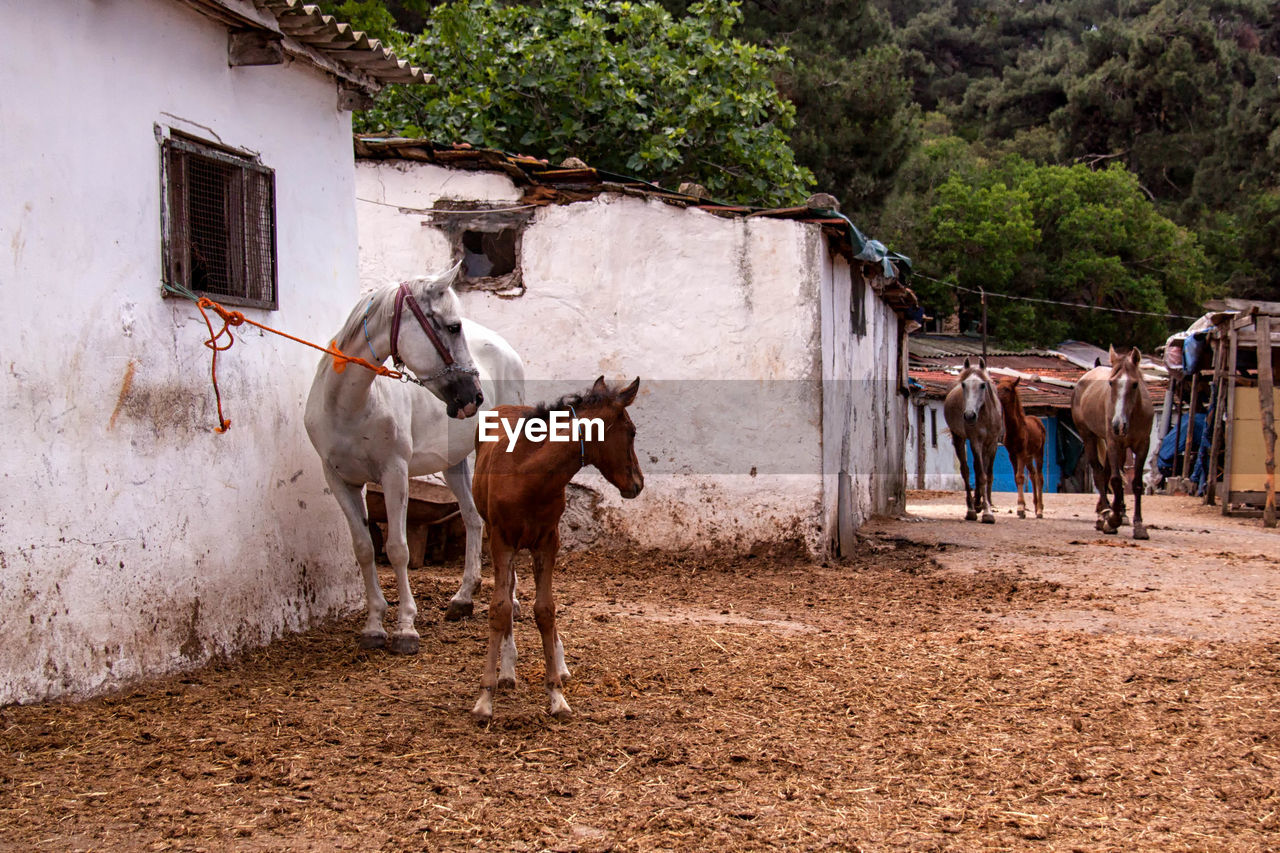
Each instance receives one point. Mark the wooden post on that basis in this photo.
(920, 455)
(1191, 426)
(984, 321)
(1215, 444)
(1266, 402)
(1229, 388)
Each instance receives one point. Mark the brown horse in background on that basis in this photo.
(1112, 410)
(1024, 438)
(519, 490)
(972, 411)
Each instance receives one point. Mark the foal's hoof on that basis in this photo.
(1140, 531)
(988, 518)
(373, 641)
(970, 516)
(1100, 525)
(1039, 515)
(404, 644)
(458, 610)
(1022, 513)
(515, 610)
(506, 682)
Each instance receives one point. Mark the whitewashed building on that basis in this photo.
(769, 344)
(206, 143)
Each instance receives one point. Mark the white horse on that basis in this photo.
(371, 429)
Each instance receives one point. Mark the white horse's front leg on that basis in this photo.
(395, 490)
(351, 500)
(459, 479)
(461, 605)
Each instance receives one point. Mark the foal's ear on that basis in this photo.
(1111, 353)
(1135, 356)
(600, 386)
(1014, 383)
(627, 395)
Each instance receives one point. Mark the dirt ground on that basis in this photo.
(1030, 684)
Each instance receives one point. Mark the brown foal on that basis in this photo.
(519, 490)
(1024, 439)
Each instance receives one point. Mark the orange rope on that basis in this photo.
(235, 318)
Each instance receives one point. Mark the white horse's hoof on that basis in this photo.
(458, 610)
(988, 518)
(404, 644)
(1022, 513)
(1039, 515)
(373, 641)
(559, 707)
(506, 682)
(1140, 531)
(482, 713)
(515, 609)
(970, 516)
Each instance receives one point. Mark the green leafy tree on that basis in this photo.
(1069, 234)
(623, 85)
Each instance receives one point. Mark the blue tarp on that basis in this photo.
(1176, 439)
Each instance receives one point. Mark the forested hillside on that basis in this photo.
(1124, 155)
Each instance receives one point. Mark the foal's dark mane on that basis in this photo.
(575, 401)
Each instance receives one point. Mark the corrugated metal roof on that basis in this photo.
(344, 45)
(934, 346)
(545, 184)
(1048, 378)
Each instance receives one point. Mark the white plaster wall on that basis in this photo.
(689, 302)
(941, 467)
(133, 539)
(863, 413)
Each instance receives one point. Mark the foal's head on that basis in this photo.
(1125, 380)
(615, 455)
(1007, 392)
(976, 383)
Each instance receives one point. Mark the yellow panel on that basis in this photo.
(1248, 455)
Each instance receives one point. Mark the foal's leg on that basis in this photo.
(351, 500)
(1037, 483)
(499, 623)
(1140, 454)
(544, 613)
(958, 443)
(395, 490)
(1020, 466)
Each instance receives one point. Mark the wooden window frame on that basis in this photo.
(248, 278)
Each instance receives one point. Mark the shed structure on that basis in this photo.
(769, 343)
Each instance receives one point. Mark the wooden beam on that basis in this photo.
(1266, 401)
(1230, 388)
(254, 47)
(354, 99)
(1244, 318)
(1219, 399)
(1191, 425)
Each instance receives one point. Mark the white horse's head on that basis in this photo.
(977, 385)
(436, 351)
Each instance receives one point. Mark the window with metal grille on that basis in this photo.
(219, 223)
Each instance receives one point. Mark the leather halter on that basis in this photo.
(404, 296)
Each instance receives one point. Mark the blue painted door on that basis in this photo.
(1002, 473)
